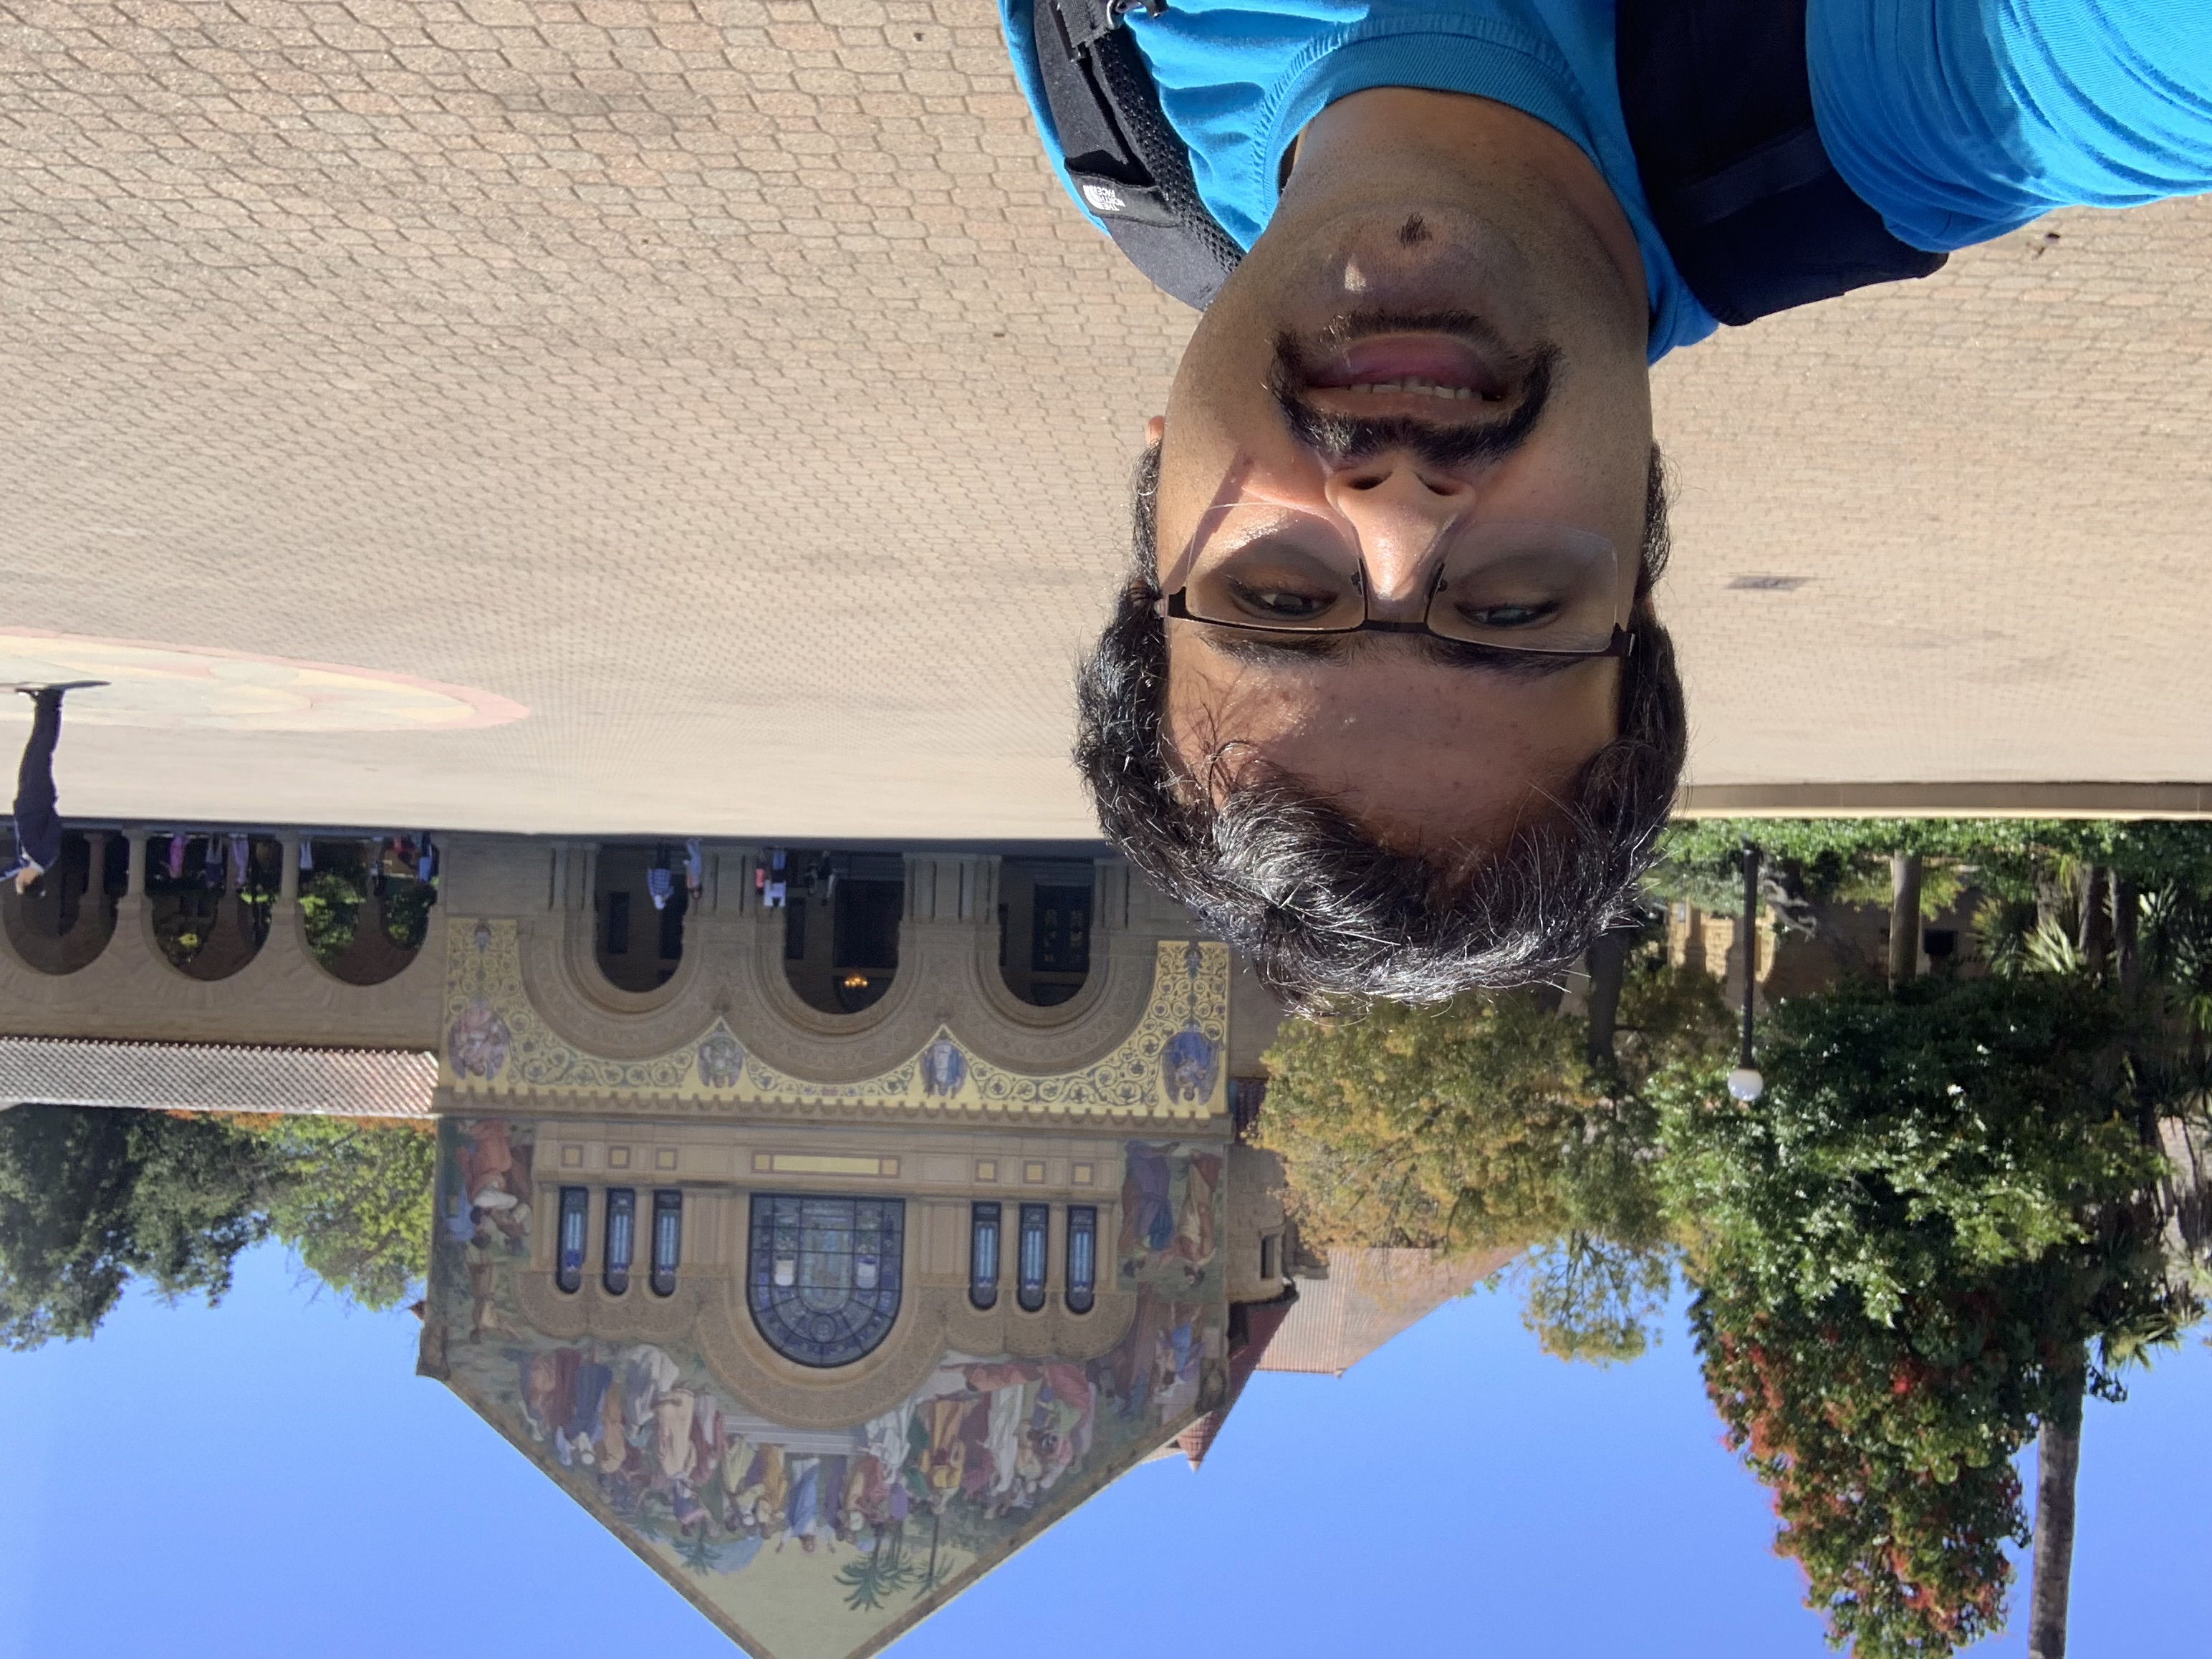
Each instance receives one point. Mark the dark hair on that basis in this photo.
(1325, 913)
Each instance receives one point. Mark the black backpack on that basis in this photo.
(1719, 109)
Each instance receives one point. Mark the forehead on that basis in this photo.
(1417, 751)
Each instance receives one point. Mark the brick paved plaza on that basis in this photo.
(727, 383)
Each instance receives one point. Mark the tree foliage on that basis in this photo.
(89, 1200)
(1482, 1125)
(92, 1198)
(1464, 1126)
(1848, 859)
(1898, 1250)
(354, 1201)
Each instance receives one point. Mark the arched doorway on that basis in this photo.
(209, 897)
(841, 925)
(365, 905)
(639, 943)
(67, 918)
(1044, 926)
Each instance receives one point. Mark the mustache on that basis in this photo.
(1341, 440)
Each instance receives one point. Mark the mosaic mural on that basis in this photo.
(1171, 1066)
(822, 1543)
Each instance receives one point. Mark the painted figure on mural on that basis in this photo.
(943, 1067)
(920, 1495)
(1168, 1224)
(487, 1212)
(1189, 1064)
(479, 1043)
(722, 1060)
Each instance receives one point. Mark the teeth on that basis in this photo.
(1459, 393)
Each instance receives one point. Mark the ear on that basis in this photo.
(1153, 429)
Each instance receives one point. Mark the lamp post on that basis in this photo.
(1745, 1082)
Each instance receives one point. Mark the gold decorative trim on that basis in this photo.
(499, 1052)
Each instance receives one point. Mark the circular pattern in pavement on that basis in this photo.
(200, 687)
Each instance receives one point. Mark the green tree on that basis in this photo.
(89, 1200)
(354, 1200)
(92, 1198)
(1488, 1123)
(1900, 1252)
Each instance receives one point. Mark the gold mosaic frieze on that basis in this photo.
(1172, 1065)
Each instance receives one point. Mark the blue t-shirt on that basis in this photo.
(1957, 120)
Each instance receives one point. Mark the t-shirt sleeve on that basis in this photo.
(1958, 120)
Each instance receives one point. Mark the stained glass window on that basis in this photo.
(983, 1255)
(622, 1238)
(1036, 1219)
(575, 1208)
(823, 1274)
(1082, 1256)
(667, 1240)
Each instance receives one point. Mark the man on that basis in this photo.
(1384, 697)
(38, 820)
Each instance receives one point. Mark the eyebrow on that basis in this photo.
(1266, 650)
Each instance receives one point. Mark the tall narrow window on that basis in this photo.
(1267, 1257)
(576, 1215)
(983, 1255)
(1029, 1291)
(667, 1240)
(622, 1238)
(1082, 1257)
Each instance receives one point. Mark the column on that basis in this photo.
(134, 882)
(288, 871)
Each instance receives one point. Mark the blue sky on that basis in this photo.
(271, 1479)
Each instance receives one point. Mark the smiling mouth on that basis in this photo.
(1443, 386)
(1407, 373)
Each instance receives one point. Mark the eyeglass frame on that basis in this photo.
(1174, 607)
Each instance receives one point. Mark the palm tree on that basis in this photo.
(2057, 1459)
(1903, 916)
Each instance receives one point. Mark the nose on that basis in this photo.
(1399, 508)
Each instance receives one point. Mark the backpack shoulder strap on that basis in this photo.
(1128, 163)
(1719, 106)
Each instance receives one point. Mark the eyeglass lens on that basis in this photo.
(1510, 586)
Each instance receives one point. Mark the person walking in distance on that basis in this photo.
(38, 817)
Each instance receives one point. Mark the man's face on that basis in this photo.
(1402, 376)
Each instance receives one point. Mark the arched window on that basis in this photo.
(68, 916)
(841, 923)
(575, 1214)
(1044, 928)
(210, 897)
(1082, 1257)
(365, 904)
(983, 1255)
(622, 1238)
(823, 1274)
(667, 1240)
(1028, 1289)
(640, 899)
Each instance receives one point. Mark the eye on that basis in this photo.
(1279, 602)
(1509, 614)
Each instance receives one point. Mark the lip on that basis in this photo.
(1446, 360)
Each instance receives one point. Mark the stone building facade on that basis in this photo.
(822, 1310)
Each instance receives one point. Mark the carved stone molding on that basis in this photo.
(1167, 1064)
(1004, 1028)
(131, 992)
(561, 977)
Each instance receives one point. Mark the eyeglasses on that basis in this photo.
(1533, 588)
